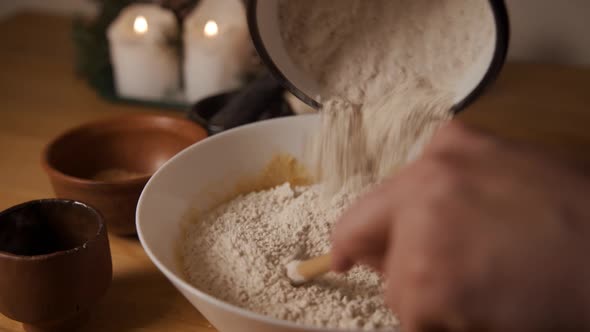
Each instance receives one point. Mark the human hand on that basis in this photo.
(476, 235)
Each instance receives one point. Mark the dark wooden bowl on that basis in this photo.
(55, 262)
(107, 163)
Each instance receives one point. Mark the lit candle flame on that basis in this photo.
(140, 25)
(211, 29)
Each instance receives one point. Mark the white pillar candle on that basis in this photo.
(217, 46)
(145, 62)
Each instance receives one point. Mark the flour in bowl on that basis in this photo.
(237, 253)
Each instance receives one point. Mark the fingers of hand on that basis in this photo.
(458, 137)
(426, 294)
(362, 234)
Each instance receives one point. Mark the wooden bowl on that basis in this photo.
(55, 262)
(107, 163)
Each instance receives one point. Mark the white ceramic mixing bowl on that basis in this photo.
(197, 178)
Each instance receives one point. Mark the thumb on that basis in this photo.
(362, 233)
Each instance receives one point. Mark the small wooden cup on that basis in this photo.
(107, 163)
(55, 262)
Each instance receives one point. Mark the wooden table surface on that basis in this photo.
(40, 97)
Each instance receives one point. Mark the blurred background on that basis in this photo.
(542, 30)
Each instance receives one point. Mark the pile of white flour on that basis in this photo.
(237, 253)
(388, 70)
(364, 50)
